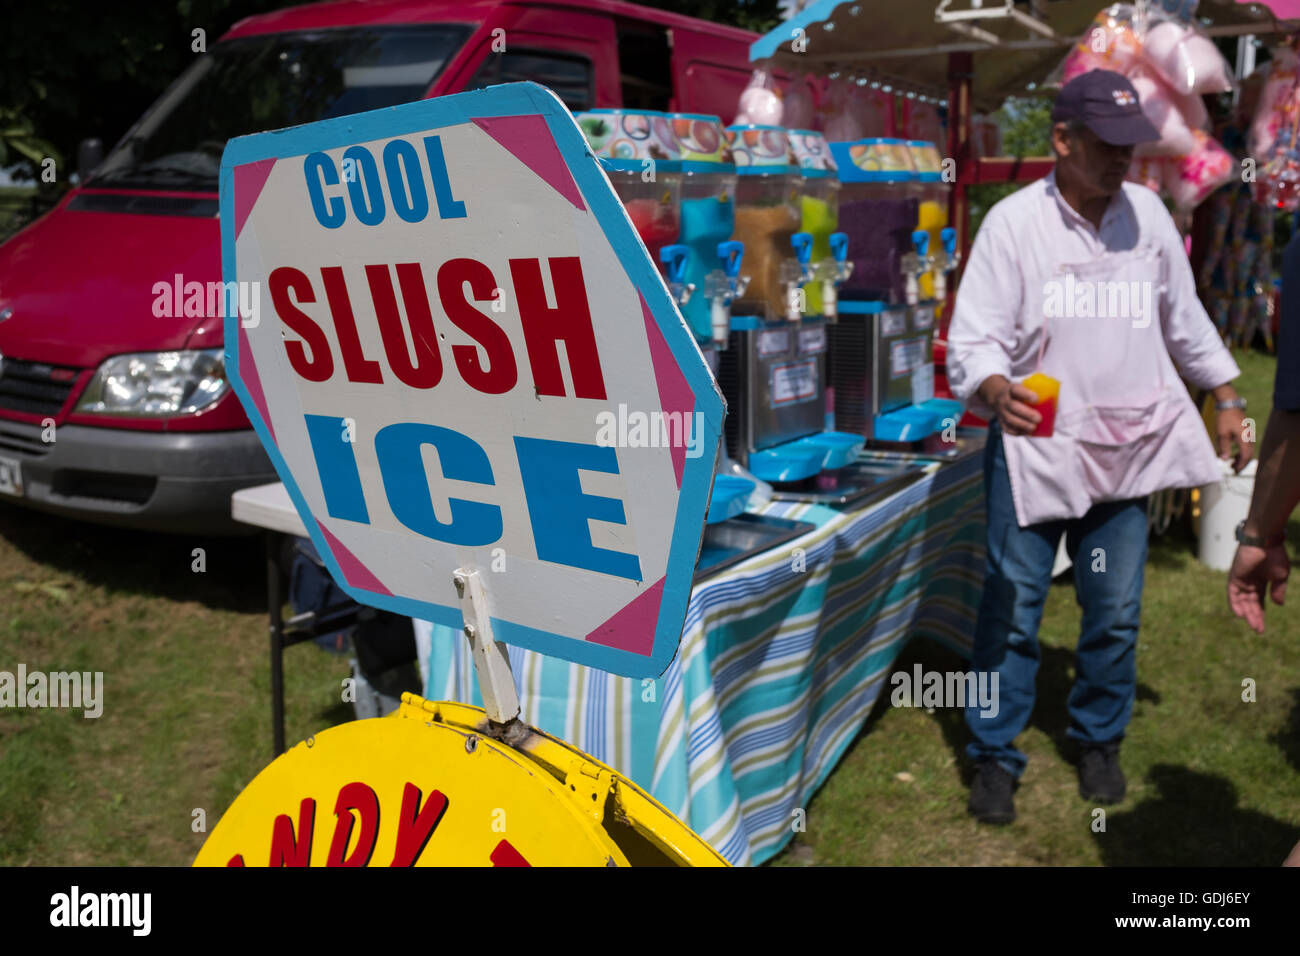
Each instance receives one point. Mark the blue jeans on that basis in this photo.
(1108, 546)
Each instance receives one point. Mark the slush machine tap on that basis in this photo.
(946, 260)
(916, 264)
(795, 274)
(832, 271)
(723, 285)
(674, 259)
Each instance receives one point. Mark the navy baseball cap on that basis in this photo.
(1107, 104)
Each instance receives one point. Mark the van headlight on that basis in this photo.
(156, 384)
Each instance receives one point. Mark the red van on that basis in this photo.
(114, 405)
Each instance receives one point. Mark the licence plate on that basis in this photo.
(11, 477)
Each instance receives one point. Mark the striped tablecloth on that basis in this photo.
(782, 657)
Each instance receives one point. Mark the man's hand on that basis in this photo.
(1011, 404)
(1230, 427)
(1255, 572)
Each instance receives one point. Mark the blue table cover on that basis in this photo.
(781, 660)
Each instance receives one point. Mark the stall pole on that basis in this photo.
(960, 71)
(277, 644)
(300, 627)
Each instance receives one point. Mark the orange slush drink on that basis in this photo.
(1047, 389)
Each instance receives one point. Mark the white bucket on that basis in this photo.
(1224, 505)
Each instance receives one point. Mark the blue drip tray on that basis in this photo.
(730, 498)
(945, 408)
(841, 448)
(909, 423)
(793, 461)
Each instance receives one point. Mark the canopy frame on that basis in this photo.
(810, 42)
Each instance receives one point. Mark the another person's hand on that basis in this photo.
(1256, 572)
(1230, 428)
(1013, 405)
(1293, 859)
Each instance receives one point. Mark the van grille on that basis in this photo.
(34, 387)
(104, 486)
(19, 436)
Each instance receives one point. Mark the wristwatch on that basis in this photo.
(1237, 402)
(1272, 541)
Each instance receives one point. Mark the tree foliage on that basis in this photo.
(757, 15)
(73, 70)
(1026, 126)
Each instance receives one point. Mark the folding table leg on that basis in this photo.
(277, 645)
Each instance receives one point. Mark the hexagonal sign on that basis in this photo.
(467, 359)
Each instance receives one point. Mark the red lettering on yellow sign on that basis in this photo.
(358, 797)
(506, 855)
(357, 805)
(288, 849)
(416, 824)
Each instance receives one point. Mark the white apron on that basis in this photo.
(1125, 424)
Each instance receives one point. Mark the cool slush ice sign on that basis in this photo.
(458, 306)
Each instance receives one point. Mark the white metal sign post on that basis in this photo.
(471, 377)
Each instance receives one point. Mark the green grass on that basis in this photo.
(186, 720)
(1212, 779)
(15, 208)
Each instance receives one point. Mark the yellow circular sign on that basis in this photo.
(426, 787)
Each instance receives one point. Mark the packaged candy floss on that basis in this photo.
(1163, 110)
(1148, 171)
(1191, 178)
(760, 102)
(837, 121)
(1110, 43)
(1278, 183)
(799, 111)
(1276, 108)
(1185, 58)
(1171, 65)
(871, 109)
(1273, 135)
(923, 123)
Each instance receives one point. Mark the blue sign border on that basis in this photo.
(770, 43)
(510, 99)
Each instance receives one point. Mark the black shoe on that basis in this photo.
(1100, 777)
(990, 794)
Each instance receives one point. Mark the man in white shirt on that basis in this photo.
(1083, 277)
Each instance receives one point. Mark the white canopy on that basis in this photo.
(905, 43)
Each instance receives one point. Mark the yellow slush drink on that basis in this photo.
(932, 217)
(1047, 389)
(820, 220)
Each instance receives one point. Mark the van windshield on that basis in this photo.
(270, 82)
